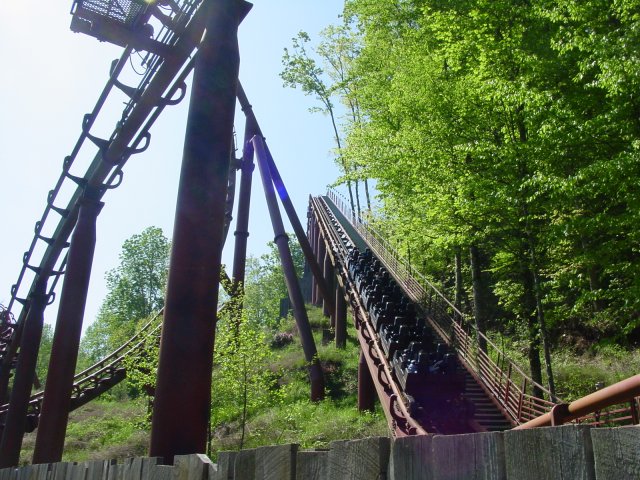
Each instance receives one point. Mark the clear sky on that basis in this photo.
(51, 77)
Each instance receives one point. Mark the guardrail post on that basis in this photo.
(521, 399)
(54, 416)
(183, 393)
(16, 418)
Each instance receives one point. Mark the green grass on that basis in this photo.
(115, 427)
(101, 430)
(293, 418)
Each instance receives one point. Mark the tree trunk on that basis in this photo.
(366, 192)
(459, 288)
(479, 295)
(542, 324)
(529, 312)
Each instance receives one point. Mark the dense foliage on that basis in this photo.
(504, 137)
(135, 292)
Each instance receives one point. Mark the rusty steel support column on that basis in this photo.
(54, 415)
(328, 301)
(183, 393)
(366, 387)
(314, 250)
(316, 270)
(16, 419)
(322, 251)
(291, 279)
(244, 202)
(341, 318)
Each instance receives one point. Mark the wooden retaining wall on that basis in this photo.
(565, 453)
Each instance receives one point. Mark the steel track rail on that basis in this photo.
(389, 392)
(131, 136)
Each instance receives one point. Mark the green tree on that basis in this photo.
(242, 381)
(265, 286)
(508, 128)
(302, 70)
(135, 291)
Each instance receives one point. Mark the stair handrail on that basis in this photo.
(510, 395)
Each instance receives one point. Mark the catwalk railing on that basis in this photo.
(509, 386)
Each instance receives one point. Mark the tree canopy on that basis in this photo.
(135, 291)
(504, 137)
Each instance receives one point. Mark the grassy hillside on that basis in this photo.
(116, 426)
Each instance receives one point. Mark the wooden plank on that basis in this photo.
(59, 471)
(476, 456)
(553, 453)
(191, 467)
(411, 458)
(364, 459)
(23, 473)
(132, 468)
(225, 466)
(42, 471)
(114, 472)
(276, 462)
(244, 467)
(336, 460)
(616, 452)
(312, 465)
(147, 467)
(96, 470)
(162, 472)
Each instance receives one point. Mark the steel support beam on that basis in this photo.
(328, 301)
(307, 250)
(244, 202)
(341, 318)
(325, 289)
(16, 419)
(366, 387)
(183, 392)
(54, 416)
(314, 250)
(293, 287)
(321, 252)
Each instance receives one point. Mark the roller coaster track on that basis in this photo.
(162, 85)
(100, 377)
(497, 389)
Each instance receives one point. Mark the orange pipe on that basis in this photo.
(617, 393)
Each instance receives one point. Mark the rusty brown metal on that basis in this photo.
(620, 392)
(66, 341)
(293, 287)
(341, 318)
(321, 252)
(15, 424)
(183, 393)
(366, 387)
(313, 236)
(244, 202)
(328, 301)
(307, 249)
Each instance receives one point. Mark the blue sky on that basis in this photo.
(51, 77)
